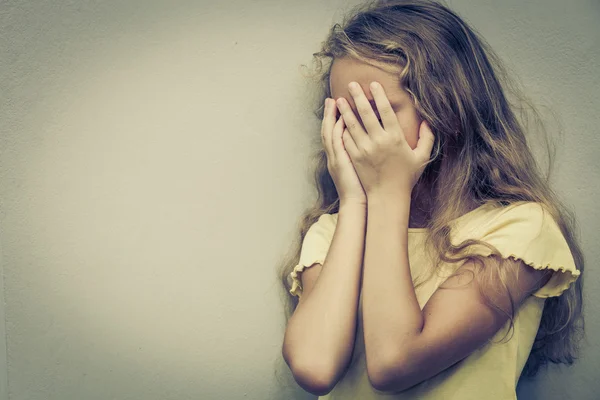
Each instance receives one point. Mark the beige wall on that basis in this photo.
(152, 167)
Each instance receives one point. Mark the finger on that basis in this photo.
(349, 145)
(354, 127)
(336, 137)
(425, 142)
(386, 112)
(327, 125)
(363, 106)
(340, 137)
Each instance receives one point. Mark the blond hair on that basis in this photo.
(481, 154)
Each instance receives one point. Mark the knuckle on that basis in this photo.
(386, 111)
(364, 109)
(396, 139)
(379, 140)
(369, 148)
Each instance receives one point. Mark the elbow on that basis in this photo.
(314, 379)
(390, 378)
(316, 383)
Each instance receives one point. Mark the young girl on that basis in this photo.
(435, 235)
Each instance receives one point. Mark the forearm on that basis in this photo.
(391, 312)
(322, 328)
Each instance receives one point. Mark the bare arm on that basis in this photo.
(319, 337)
(405, 345)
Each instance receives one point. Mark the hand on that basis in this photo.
(383, 160)
(338, 161)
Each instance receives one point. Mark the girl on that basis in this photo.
(434, 234)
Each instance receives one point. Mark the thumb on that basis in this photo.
(425, 142)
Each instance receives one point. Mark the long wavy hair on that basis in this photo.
(481, 153)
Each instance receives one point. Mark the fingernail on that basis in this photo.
(327, 103)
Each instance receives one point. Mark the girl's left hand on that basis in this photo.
(383, 160)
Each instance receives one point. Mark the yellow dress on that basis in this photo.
(521, 230)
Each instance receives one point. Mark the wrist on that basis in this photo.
(353, 203)
(395, 207)
(385, 198)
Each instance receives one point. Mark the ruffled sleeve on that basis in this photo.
(314, 249)
(526, 231)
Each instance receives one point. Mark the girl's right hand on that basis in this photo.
(339, 164)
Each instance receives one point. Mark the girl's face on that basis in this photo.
(345, 70)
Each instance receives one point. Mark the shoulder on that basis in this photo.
(324, 225)
(525, 217)
(527, 233)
